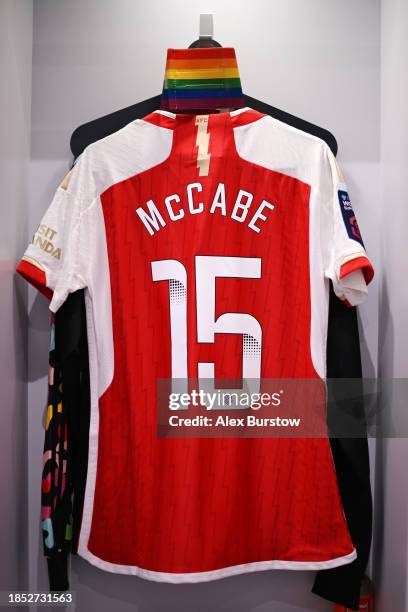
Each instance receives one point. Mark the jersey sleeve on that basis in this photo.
(345, 259)
(56, 260)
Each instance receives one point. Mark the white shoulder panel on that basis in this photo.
(280, 147)
(136, 147)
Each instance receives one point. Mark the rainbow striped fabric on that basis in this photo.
(201, 79)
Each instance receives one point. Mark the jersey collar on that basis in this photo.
(168, 119)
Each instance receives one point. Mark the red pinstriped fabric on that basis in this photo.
(195, 505)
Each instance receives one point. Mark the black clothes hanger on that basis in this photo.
(204, 43)
(93, 130)
(341, 584)
(103, 126)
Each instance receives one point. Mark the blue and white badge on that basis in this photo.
(349, 217)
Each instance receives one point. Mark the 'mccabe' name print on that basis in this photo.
(242, 208)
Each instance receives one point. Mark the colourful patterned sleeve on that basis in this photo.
(56, 487)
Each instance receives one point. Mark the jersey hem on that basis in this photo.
(225, 572)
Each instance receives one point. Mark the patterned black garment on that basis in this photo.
(56, 490)
(71, 405)
(66, 438)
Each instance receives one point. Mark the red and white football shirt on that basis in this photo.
(205, 244)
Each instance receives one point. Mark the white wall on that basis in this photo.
(317, 59)
(391, 525)
(15, 102)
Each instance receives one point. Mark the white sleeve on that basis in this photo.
(56, 261)
(345, 259)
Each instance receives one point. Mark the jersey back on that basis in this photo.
(206, 247)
